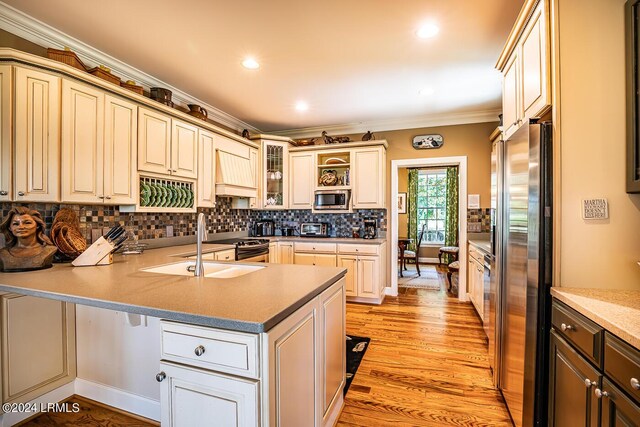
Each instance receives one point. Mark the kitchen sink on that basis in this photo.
(211, 269)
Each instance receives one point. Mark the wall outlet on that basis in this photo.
(169, 231)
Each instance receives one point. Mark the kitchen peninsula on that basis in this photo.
(240, 349)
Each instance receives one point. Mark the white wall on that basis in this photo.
(112, 353)
(602, 254)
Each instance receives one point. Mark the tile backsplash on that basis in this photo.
(220, 219)
(479, 220)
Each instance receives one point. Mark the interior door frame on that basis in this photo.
(461, 162)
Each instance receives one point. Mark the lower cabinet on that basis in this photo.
(617, 408)
(41, 356)
(273, 253)
(226, 255)
(299, 382)
(366, 271)
(285, 252)
(324, 260)
(194, 397)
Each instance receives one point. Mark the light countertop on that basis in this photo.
(618, 311)
(483, 245)
(254, 302)
(351, 240)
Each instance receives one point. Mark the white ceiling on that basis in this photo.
(352, 61)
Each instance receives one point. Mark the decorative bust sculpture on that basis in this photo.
(26, 245)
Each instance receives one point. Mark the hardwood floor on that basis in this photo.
(426, 365)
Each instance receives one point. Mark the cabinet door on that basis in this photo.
(368, 178)
(120, 143)
(253, 162)
(285, 253)
(192, 397)
(154, 142)
(273, 253)
(351, 264)
(617, 409)
(38, 342)
(304, 259)
(478, 290)
(534, 76)
(228, 255)
(325, 260)
(302, 181)
(368, 277)
(472, 279)
(206, 169)
(82, 143)
(511, 96)
(571, 401)
(332, 341)
(274, 175)
(37, 136)
(6, 136)
(184, 149)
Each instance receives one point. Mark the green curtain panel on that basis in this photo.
(451, 223)
(412, 208)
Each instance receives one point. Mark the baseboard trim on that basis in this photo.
(429, 260)
(117, 398)
(54, 396)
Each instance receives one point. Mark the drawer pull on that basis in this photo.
(590, 383)
(635, 384)
(161, 376)
(199, 351)
(4, 193)
(600, 394)
(566, 327)
(20, 193)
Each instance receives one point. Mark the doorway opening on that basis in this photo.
(433, 231)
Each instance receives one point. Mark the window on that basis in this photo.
(432, 204)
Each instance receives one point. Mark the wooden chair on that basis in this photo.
(449, 250)
(454, 267)
(413, 255)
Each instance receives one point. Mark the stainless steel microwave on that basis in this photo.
(332, 200)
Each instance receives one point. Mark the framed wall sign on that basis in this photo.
(421, 142)
(632, 14)
(402, 203)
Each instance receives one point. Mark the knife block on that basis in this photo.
(99, 253)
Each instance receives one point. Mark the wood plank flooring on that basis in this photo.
(426, 365)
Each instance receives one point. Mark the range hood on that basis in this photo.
(236, 176)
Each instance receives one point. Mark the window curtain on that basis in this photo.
(451, 223)
(412, 209)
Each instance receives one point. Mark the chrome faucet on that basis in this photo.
(201, 236)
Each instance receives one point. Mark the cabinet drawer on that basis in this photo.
(223, 351)
(359, 249)
(622, 364)
(327, 248)
(580, 331)
(226, 255)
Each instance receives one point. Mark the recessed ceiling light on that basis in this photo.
(426, 91)
(251, 64)
(302, 106)
(427, 31)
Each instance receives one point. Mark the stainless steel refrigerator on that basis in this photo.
(526, 272)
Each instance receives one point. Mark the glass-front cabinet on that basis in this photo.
(273, 174)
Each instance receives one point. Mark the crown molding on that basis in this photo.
(395, 124)
(29, 28)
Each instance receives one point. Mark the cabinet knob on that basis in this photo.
(635, 384)
(566, 327)
(199, 351)
(590, 383)
(107, 197)
(600, 394)
(20, 193)
(3, 193)
(100, 197)
(161, 376)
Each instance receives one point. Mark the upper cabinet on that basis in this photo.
(167, 146)
(274, 175)
(302, 182)
(206, 169)
(37, 136)
(236, 169)
(525, 64)
(6, 136)
(369, 173)
(98, 141)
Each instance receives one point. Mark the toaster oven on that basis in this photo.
(314, 229)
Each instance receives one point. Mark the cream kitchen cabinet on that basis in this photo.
(312, 253)
(350, 262)
(236, 170)
(38, 346)
(302, 182)
(242, 379)
(368, 177)
(476, 280)
(273, 173)
(526, 84)
(226, 255)
(206, 169)
(6, 133)
(273, 252)
(37, 136)
(166, 146)
(99, 134)
(366, 271)
(285, 252)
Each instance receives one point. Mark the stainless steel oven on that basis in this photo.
(332, 200)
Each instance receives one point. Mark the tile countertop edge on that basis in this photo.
(215, 322)
(606, 313)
